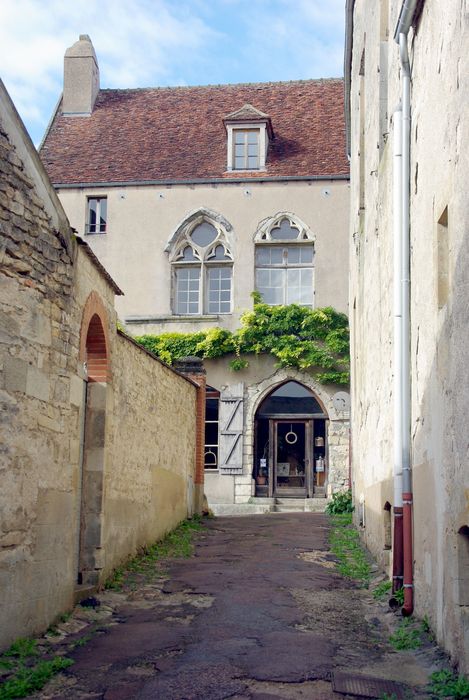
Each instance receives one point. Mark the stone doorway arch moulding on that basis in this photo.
(94, 336)
(338, 426)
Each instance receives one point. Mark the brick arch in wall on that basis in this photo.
(94, 340)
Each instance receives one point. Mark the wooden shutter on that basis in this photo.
(231, 429)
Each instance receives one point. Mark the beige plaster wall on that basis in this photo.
(142, 219)
(439, 349)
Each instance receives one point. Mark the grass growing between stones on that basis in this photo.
(22, 673)
(345, 545)
(446, 684)
(149, 562)
(407, 635)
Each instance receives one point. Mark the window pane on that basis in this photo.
(239, 150)
(293, 254)
(204, 234)
(188, 254)
(211, 409)
(240, 136)
(253, 137)
(276, 256)
(262, 255)
(284, 231)
(270, 283)
(306, 254)
(211, 433)
(218, 279)
(187, 290)
(252, 149)
(239, 163)
(92, 215)
(219, 254)
(102, 214)
(253, 162)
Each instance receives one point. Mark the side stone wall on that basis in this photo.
(51, 289)
(150, 445)
(38, 355)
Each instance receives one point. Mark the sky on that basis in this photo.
(149, 43)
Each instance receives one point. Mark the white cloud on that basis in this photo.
(161, 42)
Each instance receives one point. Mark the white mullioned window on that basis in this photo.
(285, 263)
(202, 271)
(246, 149)
(96, 215)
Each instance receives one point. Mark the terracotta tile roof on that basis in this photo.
(178, 133)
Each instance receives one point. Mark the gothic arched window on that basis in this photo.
(285, 261)
(202, 265)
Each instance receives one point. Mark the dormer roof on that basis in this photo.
(247, 114)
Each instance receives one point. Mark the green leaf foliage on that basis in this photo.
(296, 336)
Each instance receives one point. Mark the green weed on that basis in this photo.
(382, 590)
(22, 649)
(345, 545)
(177, 543)
(27, 674)
(341, 503)
(28, 679)
(407, 636)
(399, 596)
(445, 684)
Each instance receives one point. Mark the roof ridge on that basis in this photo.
(225, 85)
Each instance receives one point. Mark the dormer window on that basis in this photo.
(248, 131)
(246, 149)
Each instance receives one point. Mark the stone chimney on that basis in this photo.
(81, 78)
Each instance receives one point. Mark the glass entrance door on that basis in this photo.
(291, 458)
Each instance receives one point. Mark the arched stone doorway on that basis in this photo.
(291, 446)
(95, 357)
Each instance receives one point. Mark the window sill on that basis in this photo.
(174, 317)
(95, 233)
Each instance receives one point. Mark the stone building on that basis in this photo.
(192, 198)
(407, 71)
(90, 467)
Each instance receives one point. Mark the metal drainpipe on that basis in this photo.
(406, 397)
(397, 553)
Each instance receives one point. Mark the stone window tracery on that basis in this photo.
(202, 264)
(285, 261)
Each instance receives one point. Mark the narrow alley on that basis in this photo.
(258, 611)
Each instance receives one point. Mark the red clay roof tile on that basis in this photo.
(167, 134)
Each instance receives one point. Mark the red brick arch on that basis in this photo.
(94, 339)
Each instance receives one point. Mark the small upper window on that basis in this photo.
(246, 149)
(96, 221)
(249, 131)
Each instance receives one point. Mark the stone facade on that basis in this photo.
(85, 481)
(439, 225)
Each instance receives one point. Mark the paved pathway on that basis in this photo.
(258, 613)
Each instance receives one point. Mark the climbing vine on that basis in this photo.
(298, 337)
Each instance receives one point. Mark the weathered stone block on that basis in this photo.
(37, 384)
(15, 372)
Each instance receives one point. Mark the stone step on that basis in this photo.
(288, 509)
